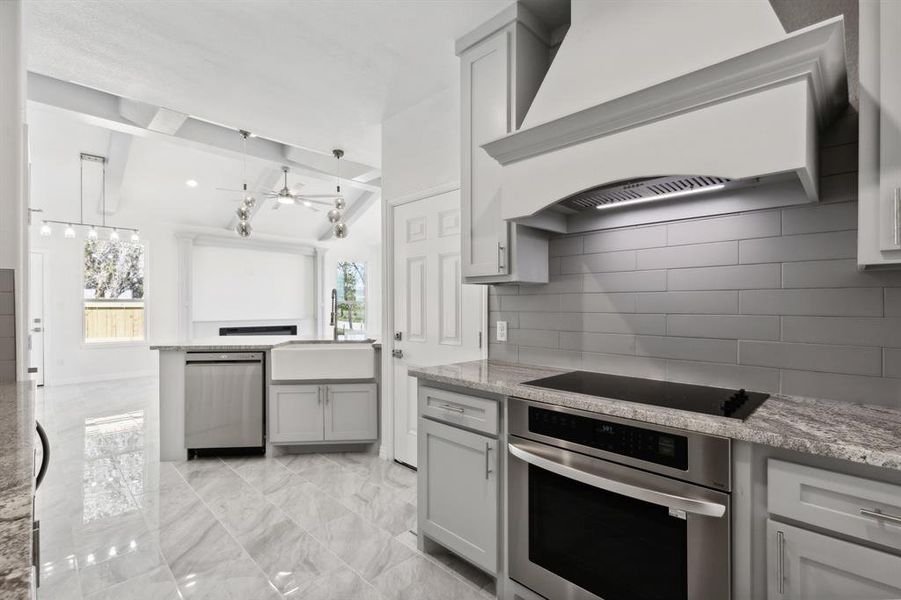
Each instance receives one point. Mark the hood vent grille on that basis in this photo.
(640, 189)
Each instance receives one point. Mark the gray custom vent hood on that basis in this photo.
(658, 100)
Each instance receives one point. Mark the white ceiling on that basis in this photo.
(315, 74)
(153, 187)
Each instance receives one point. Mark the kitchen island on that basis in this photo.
(296, 385)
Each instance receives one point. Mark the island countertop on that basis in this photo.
(862, 433)
(248, 343)
(17, 437)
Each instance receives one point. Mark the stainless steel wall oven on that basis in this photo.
(614, 509)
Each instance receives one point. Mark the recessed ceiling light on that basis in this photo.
(191, 183)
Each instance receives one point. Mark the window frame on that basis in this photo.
(365, 329)
(143, 342)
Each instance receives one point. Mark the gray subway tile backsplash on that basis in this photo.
(769, 300)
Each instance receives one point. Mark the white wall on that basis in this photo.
(67, 358)
(247, 286)
(421, 146)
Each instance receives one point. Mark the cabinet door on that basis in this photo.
(295, 413)
(890, 136)
(351, 412)
(485, 88)
(457, 493)
(803, 565)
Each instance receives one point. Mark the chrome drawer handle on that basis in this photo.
(780, 556)
(452, 408)
(880, 516)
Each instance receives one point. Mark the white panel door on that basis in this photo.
(438, 318)
(36, 324)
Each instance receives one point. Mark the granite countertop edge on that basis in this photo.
(237, 346)
(17, 442)
(867, 434)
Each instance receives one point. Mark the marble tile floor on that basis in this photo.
(116, 524)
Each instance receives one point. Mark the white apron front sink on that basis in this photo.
(323, 361)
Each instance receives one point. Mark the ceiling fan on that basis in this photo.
(289, 195)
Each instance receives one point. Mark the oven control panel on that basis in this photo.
(635, 442)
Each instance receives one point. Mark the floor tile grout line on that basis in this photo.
(307, 532)
(228, 532)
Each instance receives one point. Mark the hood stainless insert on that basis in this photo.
(636, 190)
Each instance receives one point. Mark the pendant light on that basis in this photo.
(336, 214)
(93, 233)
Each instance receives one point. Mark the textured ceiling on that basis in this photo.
(315, 74)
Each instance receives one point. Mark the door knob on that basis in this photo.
(397, 353)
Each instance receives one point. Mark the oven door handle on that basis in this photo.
(691, 505)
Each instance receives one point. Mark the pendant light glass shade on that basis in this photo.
(341, 231)
(114, 236)
(92, 234)
(46, 231)
(69, 233)
(244, 229)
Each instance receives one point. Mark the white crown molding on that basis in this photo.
(816, 54)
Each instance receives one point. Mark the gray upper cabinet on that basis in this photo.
(804, 565)
(502, 65)
(879, 192)
(351, 412)
(458, 491)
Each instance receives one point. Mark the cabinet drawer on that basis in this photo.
(461, 410)
(842, 503)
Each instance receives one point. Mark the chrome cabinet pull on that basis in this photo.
(327, 393)
(780, 556)
(897, 228)
(487, 460)
(501, 258)
(453, 408)
(880, 516)
(319, 396)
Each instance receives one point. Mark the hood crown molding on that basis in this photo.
(815, 55)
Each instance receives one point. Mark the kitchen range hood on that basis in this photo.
(702, 102)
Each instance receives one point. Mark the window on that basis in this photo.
(351, 286)
(113, 291)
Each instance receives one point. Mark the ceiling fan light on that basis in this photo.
(69, 233)
(243, 229)
(334, 215)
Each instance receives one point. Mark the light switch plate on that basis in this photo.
(502, 331)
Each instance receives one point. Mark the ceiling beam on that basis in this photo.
(106, 110)
(116, 161)
(354, 211)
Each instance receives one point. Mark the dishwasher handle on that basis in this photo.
(193, 358)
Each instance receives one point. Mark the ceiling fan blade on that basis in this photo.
(229, 190)
(332, 196)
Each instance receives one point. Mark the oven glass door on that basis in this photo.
(572, 539)
(613, 546)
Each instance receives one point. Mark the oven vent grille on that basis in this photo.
(638, 189)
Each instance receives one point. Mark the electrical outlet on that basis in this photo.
(502, 331)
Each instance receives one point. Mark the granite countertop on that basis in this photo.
(860, 433)
(17, 440)
(249, 343)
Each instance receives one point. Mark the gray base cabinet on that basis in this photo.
(804, 565)
(346, 412)
(351, 412)
(458, 491)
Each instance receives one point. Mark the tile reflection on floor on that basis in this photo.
(118, 524)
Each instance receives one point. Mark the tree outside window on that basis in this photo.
(351, 286)
(113, 291)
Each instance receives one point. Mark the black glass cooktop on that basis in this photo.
(737, 404)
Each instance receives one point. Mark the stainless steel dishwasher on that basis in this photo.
(223, 401)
